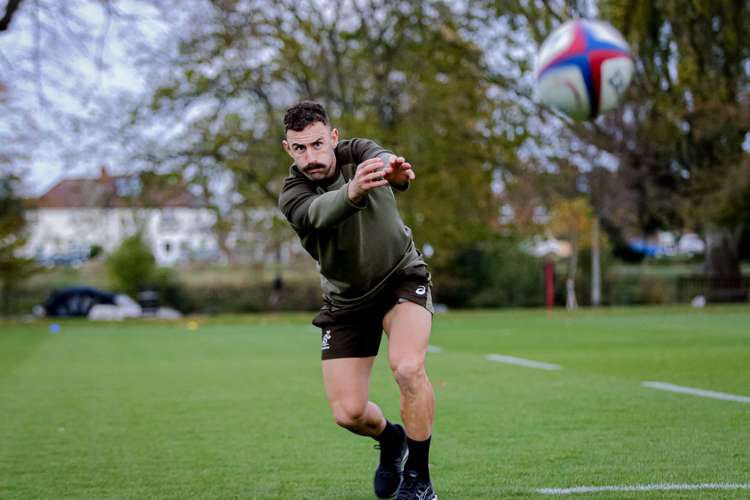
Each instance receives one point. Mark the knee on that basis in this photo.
(349, 414)
(409, 372)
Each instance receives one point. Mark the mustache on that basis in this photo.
(312, 166)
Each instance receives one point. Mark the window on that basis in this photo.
(128, 186)
(168, 222)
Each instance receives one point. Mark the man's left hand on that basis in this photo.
(398, 171)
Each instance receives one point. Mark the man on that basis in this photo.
(339, 200)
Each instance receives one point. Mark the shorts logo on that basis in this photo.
(421, 290)
(324, 346)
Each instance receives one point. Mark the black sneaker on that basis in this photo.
(388, 474)
(414, 488)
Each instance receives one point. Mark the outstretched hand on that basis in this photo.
(369, 175)
(398, 171)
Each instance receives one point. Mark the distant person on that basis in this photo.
(339, 199)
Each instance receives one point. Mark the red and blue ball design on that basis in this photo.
(583, 68)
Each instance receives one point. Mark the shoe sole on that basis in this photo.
(404, 456)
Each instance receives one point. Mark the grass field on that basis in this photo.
(235, 409)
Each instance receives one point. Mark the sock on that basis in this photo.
(389, 435)
(419, 456)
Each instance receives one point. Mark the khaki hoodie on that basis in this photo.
(357, 246)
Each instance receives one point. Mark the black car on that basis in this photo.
(76, 301)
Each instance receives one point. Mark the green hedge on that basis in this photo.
(22, 301)
(639, 290)
(492, 273)
(253, 298)
(488, 275)
(205, 299)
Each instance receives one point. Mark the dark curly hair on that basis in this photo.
(302, 114)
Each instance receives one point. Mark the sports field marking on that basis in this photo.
(696, 392)
(500, 358)
(645, 487)
(434, 348)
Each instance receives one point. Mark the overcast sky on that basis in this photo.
(71, 58)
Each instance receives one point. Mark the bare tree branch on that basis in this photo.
(10, 10)
(99, 57)
(38, 56)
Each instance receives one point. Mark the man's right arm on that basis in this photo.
(306, 209)
(365, 149)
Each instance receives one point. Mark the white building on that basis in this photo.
(78, 214)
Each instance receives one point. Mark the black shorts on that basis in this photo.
(356, 332)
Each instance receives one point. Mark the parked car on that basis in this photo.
(86, 301)
(75, 301)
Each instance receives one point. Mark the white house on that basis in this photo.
(78, 214)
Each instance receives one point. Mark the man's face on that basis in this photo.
(313, 150)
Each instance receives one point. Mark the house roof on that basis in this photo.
(124, 191)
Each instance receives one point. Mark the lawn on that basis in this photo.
(235, 408)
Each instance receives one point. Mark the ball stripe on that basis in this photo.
(576, 47)
(596, 58)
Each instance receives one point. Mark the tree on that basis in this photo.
(402, 73)
(61, 74)
(132, 266)
(679, 142)
(691, 114)
(14, 269)
(133, 269)
(572, 221)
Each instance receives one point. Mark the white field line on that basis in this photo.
(645, 487)
(696, 392)
(434, 348)
(500, 358)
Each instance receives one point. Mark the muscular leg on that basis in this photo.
(408, 326)
(346, 382)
